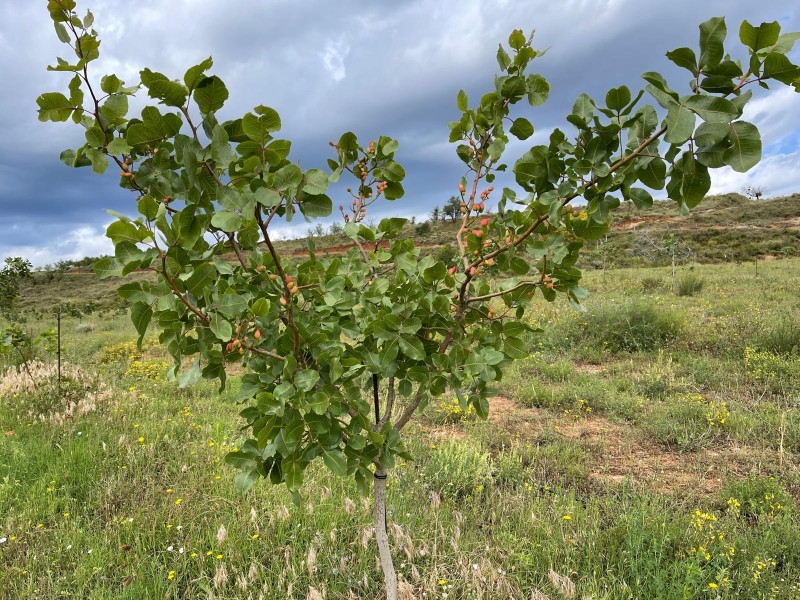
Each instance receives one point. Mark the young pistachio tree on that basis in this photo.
(340, 353)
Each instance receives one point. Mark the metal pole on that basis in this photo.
(59, 351)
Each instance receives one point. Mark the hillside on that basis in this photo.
(727, 228)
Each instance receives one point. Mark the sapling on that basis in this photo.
(339, 354)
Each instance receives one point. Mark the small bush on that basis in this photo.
(756, 497)
(84, 328)
(509, 469)
(423, 228)
(652, 284)
(449, 410)
(634, 327)
(781, 337)
(690, 284)
(446, 254)
(459, 468)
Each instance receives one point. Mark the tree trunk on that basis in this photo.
(382, 537)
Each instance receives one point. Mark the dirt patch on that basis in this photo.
(582, 367)
(635, 222)
(621, 452)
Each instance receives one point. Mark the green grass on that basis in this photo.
(607, 463)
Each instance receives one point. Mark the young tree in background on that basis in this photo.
(453, 208)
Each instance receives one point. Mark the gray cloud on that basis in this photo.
(388, 68)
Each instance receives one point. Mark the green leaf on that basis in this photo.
(287, 178)
(258, 128)
(292, 468)
(696, 181)
(461, 100)
(538, 89)
(267, 197)
(641, 198)
(231, 304)
(710, 133)
(589, 229)
(777, 66)
(202, 277)
(521, 128)
(54, 106)
(221, 328)
(260, 307)
(227, 221)
(712, 38)
(659, 89)
(618, 98)
(316, 206)
(245, 480)
(62, 33)
(684, 57)
(513, 88)
(680, 124)
(190, 377)
(221, 152)
(315, 182)
(712, 109)
(110, 84)
(745, 150)
(583, 107)
(319, 402)
(169, 92)
(412, 347)
(503, 59)
(210, 94)
(652, 174)
(335, 460)
(118, 146)
(194, 75)
(519, 265)
(107, 267)
(305, 380)
(115, 107)
(517, 39)
(123, 230)
(141, 314)
(393, 172)
(763, 36)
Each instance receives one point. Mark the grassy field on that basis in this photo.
(647, 448)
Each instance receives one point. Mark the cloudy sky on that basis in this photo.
(388, 67)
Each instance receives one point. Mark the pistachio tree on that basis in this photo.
(339, 354)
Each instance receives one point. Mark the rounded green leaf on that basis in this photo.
(745, 150)
(227, 221)
(210, 94)
(521, 128)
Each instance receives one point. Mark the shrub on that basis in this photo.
(634, 327)
(447, 254)
(780, 337)
(423, 228)
(459, 468)
(756, 497)
(451, 411)
(32, 391)
(84, 328)
(509, 469)
(652, 284)
(690, 284)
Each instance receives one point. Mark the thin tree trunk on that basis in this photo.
(382, 537)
